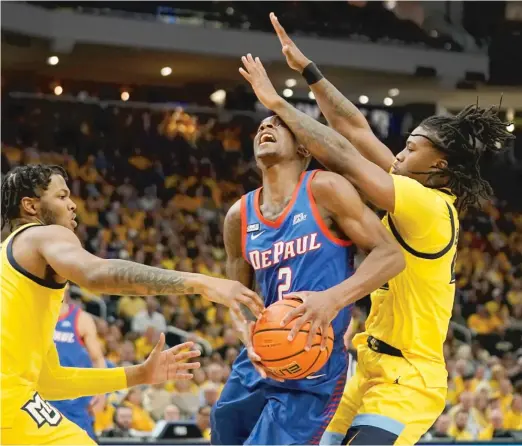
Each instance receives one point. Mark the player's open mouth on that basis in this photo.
(266, 138)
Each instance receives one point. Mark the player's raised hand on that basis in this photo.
(294, 56)
(165, 365)
(255, 73)
(318, 308)
(232, 294)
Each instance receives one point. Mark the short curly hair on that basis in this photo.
(25, 181)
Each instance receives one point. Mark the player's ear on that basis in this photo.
(30, 205)
(441, 163)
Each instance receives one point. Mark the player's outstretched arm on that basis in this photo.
(64, 253)
(339, 111)
(383, 262)
(62, 383)
(329, 147)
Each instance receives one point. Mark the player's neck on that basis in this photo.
(279, 182)
(17, 222)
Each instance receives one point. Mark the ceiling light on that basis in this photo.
(393, 92)
(510, 128)
(311, 95)
(218, 97)
(363, 99)
(290, 83)
(53, 60)
(125, 96)
(166, 71)
(388, 101)
(58, 90)
(287, 93)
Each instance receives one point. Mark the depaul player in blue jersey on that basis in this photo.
(77, 344)
(296, 234)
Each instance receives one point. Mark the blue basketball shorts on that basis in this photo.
(270, 415)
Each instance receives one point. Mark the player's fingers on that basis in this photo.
(158, 348)
(280, 31)
(274, 377)
(260, 370)
(245, 74)
(311, 334)
(180, 347)
(260, 65)
(182, 376)
(292, 314)
(297, 326)
(188, 366)
(324, 335)
(253, 356)
(253, 301)
(184, 356)
(250, 59)
(299, 296)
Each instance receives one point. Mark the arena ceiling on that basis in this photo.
(136, 67)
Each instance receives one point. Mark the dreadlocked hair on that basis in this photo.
(25, 181)
(464, 138)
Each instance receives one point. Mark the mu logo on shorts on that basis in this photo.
(42, 412)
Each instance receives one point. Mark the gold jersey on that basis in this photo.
(30, 309)
(412, 311)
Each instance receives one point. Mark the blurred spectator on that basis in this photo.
(210, 394)
(496, 427)
(127, 354)
(513, 417)
(468, 413)
(122, 424)
(104, 419)
(459, 430)
(129, 306)
(146, 342)
(230, 340)
(442, 426)
(141, 420)
(150, 317)
(203, 421)
(184, 399)
(156, 399)
(171, 413)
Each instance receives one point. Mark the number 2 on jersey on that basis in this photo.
(284, 275)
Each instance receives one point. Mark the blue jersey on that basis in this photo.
(72, 353)
(296, 252)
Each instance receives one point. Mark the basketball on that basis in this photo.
(285, 359)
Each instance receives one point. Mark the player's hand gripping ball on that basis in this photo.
(285, 359)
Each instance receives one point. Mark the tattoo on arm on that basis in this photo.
(129, 278)
(336, 104)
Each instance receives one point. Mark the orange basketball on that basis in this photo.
(289, 360)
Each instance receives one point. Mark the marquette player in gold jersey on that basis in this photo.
(37, 259)
(399, 387)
